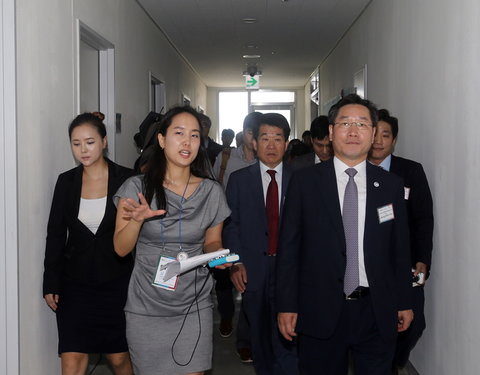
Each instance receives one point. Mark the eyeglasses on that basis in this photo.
(360, 125)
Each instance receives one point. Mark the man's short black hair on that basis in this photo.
(319, 127)
(384, 115)
(273, 119)
(353, 99)
(228, 132)
(252, 120)
(205, 121)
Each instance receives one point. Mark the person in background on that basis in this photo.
(418, 199)
(239, 139)
(212, 147)
(241, 157)
(343, 264)
(297, 151)
(300, 149)
(228, 136)
(227, 139)
(85, 282)
(322, 147)
(174, 209)
(307, 138)
(255, 195)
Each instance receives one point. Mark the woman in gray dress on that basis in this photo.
(175, 208)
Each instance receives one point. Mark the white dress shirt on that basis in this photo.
(361, 181)
(317, 159)
(266, 180)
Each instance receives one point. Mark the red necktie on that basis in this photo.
(272, 213)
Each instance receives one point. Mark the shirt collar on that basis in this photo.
(264, 168)
(385, 164)
(317, 159)
(340, 168)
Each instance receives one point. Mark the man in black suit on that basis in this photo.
(343, 265)
(322, 147)
(418, 199)
(212, 147)
(255, 196)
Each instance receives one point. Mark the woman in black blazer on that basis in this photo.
(85, 282)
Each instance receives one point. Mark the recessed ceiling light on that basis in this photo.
(249, 20)
(251, 46)
(251, 56)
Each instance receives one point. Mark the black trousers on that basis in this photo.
(356, 335)
(272, 354)
(407, 340)
(226, 306)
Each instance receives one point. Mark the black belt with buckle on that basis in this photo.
(358, 293)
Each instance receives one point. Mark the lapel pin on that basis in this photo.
(376, 184)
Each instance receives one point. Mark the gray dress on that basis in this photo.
(167, 328)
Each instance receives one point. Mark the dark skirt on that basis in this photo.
(90, 319)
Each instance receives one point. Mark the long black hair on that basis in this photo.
(157, 164)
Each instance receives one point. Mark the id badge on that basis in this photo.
(170, 284)
(385, 213)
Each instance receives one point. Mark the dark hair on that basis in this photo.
(319, 127)
(204, 121)
(353, 99)
(90, 119)
(273, 119)
(228, 132)
(157, 164)
(299, 149)
(384, 115)
(306, 133)
(252, 120)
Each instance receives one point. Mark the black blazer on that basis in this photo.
(246, 230)
(73, 252)
(311, 260)
(419, 207)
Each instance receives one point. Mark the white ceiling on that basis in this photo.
(292, 37)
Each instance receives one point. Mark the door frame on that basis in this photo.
(106, 53)
(9, 320)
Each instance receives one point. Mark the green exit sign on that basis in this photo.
(252, 83)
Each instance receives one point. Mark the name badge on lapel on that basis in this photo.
(407, 192)
(385, 213)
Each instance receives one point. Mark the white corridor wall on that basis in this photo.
(423, 61)
(46, 96)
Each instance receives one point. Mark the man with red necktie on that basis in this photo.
(255, 195)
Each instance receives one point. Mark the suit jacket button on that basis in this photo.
(340, 280)
(344, 253)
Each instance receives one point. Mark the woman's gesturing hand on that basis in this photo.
(139, 211)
